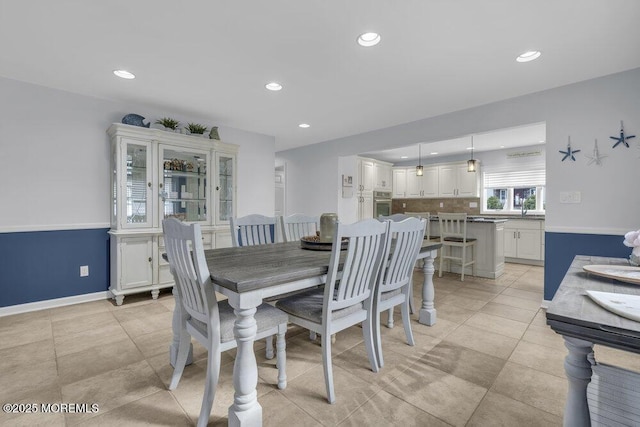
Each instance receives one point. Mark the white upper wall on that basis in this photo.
(585, 111)
(56, 158)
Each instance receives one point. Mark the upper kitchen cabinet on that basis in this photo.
(456, 181)
(422, 186)
(156, 175)
(383, 174)
(399, 183)
(366, 175)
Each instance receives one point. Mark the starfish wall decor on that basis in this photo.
(622, 139)
(569, 154)
(596, 157)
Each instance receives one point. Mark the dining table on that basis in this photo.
(596, 391)
(249, 274)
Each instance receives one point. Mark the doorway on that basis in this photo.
(280, 193)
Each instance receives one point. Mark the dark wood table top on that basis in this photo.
(249, 268)
(573, 313)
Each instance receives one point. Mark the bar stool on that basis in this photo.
(453, 234)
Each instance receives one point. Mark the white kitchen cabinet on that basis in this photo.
(365, 206)
(156, 175)
(415, 186)
(383, 175)
(523, 240)
(399, 183)
(456, 181)
(366, 175)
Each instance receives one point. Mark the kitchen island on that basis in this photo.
(489, 250)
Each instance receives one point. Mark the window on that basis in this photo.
(514, 191)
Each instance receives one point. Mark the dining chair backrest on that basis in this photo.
(253, 230)
(404, 240)
(394, 217)
(297, 226)
(354, 282)
(453, 225)
(185, 253)
(425, 215)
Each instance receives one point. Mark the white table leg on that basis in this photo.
(428, 311)
(577, 366)
(245, 411)
(177, 323)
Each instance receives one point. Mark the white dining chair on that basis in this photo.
(394, 217)
(210, 322)
(427, 216)
(347, 298)
(297, 226)
(453, 234)
(253, 230)
(404, 240)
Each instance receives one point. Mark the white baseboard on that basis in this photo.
(53, 303)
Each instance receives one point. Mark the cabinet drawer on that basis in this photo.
(523, 224)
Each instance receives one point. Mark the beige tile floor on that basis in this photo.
(490, 360)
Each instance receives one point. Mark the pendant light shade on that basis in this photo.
(472, 164)
(419, 168)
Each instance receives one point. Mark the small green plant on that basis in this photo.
(168, 122)
(530, 202)
(494, 203)
(196, 128)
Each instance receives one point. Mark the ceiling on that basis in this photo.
(213, 58)
(503, 139)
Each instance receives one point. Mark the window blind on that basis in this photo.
(528, 178)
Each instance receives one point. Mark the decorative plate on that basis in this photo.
(622, 273)
(313, 243)
(621, 304)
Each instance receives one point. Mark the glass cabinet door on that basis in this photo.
(225, 187)
(137, 184)
(184, 185)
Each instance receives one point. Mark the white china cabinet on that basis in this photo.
(156, 175)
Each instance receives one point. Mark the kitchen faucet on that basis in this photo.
(523, 211)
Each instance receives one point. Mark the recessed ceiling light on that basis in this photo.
(273, 86)
(304, 125)
(502, 146)
(433, 153)
(541, 141)
(469, 148)
(124, 74)
(369, 39)
(528, 56)
(404, 157)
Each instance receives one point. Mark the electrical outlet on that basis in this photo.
(84, 270)
(473, 204)
(441, 204)
(404, 205)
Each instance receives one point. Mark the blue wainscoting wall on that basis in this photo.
(42, 265)
(561, 248)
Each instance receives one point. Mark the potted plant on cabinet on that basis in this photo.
(197, 129)
(168, 123)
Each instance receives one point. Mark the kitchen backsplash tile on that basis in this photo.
(460, 204)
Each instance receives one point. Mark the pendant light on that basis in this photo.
(472, 163)
(419, 168)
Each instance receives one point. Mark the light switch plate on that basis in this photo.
(84, 270)
(473, 204)
(570, 197)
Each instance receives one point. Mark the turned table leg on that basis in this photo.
(577, 366)
(245, 411)
(428, 311)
